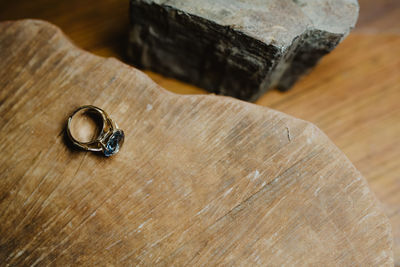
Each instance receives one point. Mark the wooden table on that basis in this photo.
(353, 95)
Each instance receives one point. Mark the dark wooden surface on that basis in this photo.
(353, 95)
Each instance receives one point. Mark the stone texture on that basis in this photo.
(239, 48)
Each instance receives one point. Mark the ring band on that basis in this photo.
(110, 138)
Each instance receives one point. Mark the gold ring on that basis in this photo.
(109, 139)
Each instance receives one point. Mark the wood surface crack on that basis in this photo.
(238, 207)
(288, 134)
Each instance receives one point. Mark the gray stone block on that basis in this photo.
(239, 48)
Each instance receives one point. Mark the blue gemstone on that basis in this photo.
(114, 143)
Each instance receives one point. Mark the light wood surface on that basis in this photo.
(352, 95)
(200, 180)
(356, 102)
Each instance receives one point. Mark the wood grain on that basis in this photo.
(200, 179)
(371, 141)
(356, 102)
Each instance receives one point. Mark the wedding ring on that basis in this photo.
(110, 138)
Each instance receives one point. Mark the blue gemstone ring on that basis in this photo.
(108, 140)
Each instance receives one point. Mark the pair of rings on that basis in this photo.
(109, 139)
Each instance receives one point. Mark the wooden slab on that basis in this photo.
(200, 179)
(367, 132)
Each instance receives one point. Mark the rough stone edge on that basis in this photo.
(228, 32)
(290, 63)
